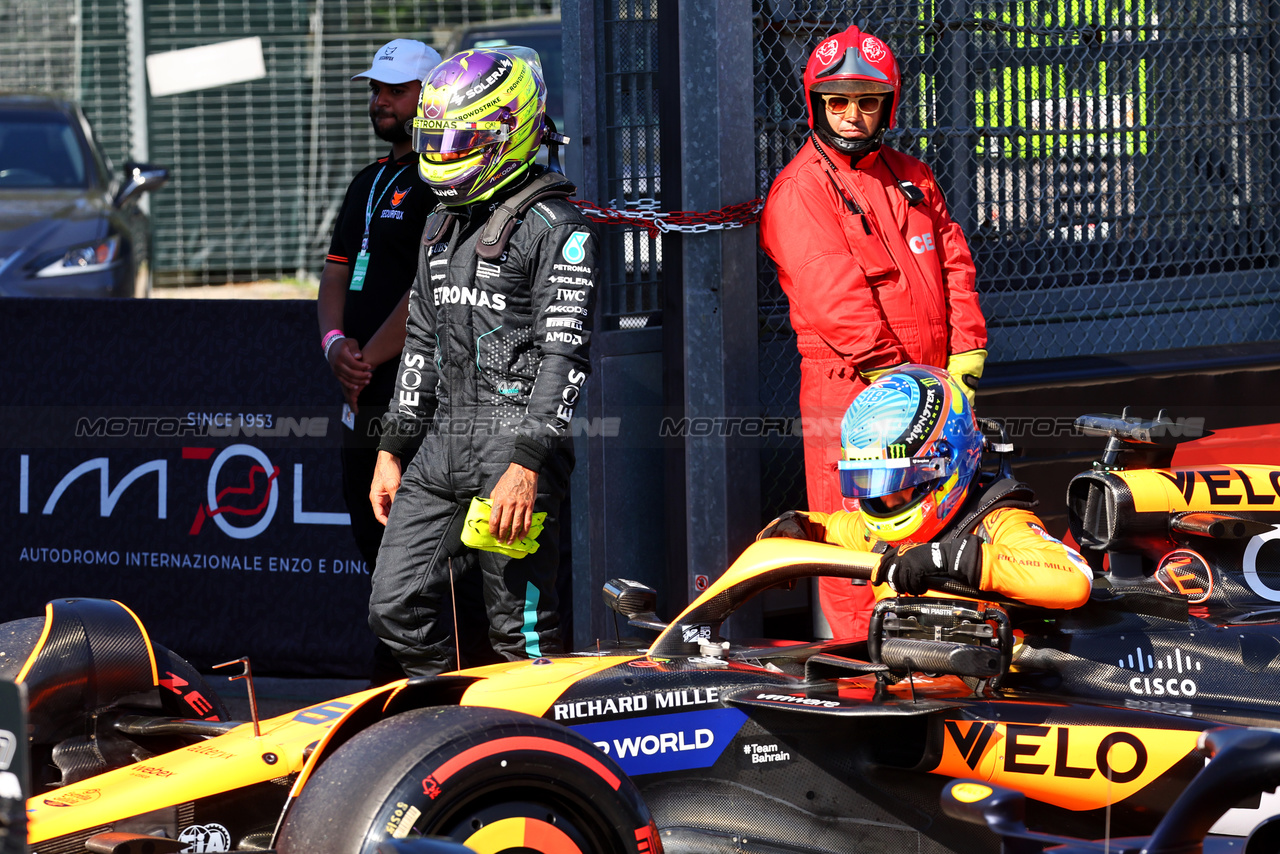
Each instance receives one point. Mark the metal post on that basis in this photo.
(716, 140)
(673, 366)
(582, 165)
(139, 139)
(311, 212)
(955, 155)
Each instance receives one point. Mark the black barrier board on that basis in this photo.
(182, 457)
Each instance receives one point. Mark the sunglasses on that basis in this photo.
(866, 103)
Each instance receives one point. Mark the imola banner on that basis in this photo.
(181, 457)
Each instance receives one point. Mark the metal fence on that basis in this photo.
(259, 168)
(1113, 163)
(628, 59)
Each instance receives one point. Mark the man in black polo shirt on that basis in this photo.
(364, 290)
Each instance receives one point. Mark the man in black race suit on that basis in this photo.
(493, 366)
(364, 290)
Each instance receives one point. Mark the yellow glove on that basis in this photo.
(475, 531)
(873, 374)
(966, 367)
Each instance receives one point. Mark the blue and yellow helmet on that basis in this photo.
(911, 447)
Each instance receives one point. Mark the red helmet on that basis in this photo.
(842, 62)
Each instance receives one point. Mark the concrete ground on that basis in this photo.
(290, 289)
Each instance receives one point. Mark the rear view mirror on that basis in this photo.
(139, 178)
(635, 601)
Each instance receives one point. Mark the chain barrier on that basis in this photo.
(644, 213)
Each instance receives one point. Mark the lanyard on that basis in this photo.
(371, 204)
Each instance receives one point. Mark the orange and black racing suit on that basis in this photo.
(1020, 559)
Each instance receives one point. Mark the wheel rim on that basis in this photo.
(522, 818)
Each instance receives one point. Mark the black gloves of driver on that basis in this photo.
(794, 524)
(907, 569)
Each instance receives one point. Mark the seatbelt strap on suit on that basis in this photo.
(506, 216)
(502, 223)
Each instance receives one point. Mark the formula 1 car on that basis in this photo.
(1244, 763)
(705, 744)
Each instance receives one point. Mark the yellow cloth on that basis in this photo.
(475, 531)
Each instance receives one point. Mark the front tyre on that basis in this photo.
(493, 780)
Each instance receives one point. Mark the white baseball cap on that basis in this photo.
(399, 61)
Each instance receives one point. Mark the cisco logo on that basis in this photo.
(1163, 677)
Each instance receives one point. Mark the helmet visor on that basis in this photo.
(874, 478)
(441, 137)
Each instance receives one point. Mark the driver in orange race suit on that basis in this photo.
(912, 452)
(876, 272)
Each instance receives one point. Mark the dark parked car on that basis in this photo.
(69, 224)
(541, 34)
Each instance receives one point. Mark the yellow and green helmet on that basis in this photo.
(480, 122)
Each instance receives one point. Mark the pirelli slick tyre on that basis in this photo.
(493, 780)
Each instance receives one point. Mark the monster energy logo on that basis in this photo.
(895, 451)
